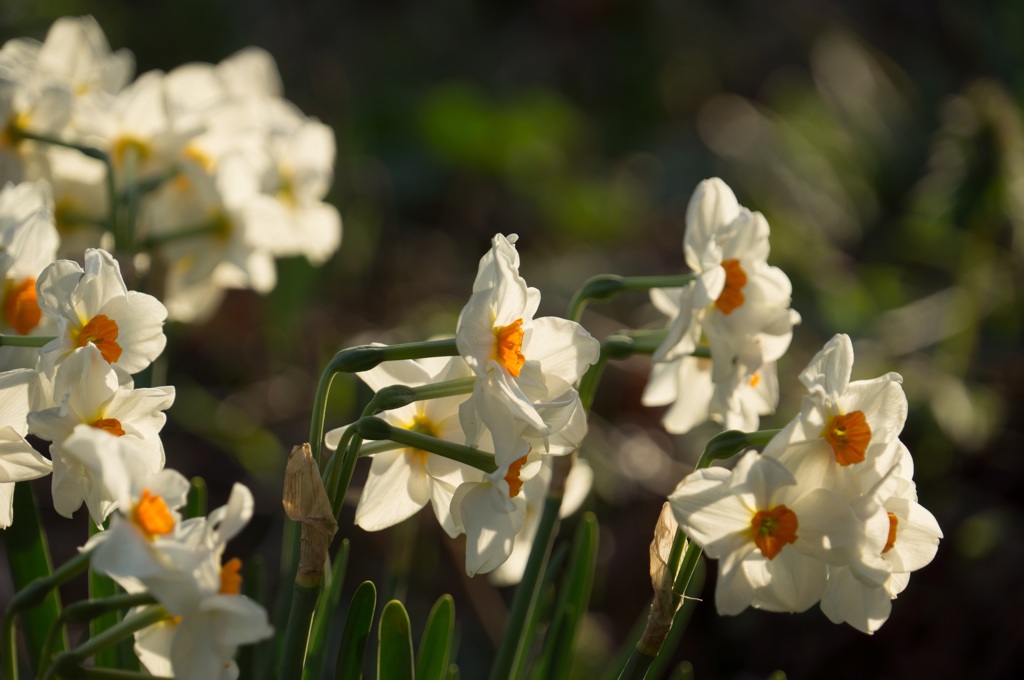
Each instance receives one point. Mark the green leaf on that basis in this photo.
(572, 600)
(394, 644)
(356, 632)
(324, 615)
(436, 645)
(195, 506)
(28, 556)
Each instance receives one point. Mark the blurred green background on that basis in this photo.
(884, 142)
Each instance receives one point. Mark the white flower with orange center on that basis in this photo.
(492, 512)
(88, 392)
(210, 616)
(737, 297)
(535, 489)
(685, 385)
(910, 543)
(845, 435)
(404, 480)
(520, 361)
(773, 534)
(93, 305)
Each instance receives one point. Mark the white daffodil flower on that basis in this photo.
(577, 486)
(774, 535)
(737, 297)
(845, 436)
(211, 618)
(492, 512)
(403, 481)
(93, 305)
(520, 361)
(685, 385)
(19, 461)
(88, 392)
(910, 544)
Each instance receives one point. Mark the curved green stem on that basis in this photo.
(30, 596)
(212, 228)
(371, 427)
(17, 133)
(68, 660)
(607, 286)
(81, 612)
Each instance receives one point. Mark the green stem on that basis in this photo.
(68, 660)
(34, 594)
(92, 152)
(363, 358)
(371, 427)
(203, 229)
(81, 612)
(512, 645)
(297, 632)
(397, 396)
(607, 286)
(25, 340)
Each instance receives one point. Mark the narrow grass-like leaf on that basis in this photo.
(356, 632)
(436, 645)
(254, 586)
(28, 557)
(394, 644)
(572, 600)
(195, 506)
(316, 648)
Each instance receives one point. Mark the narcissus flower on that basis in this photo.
(88, 392)
(492, 512)
(403, 481)
(520, 361)
(773, 534)
(93, 305)
(845, 436)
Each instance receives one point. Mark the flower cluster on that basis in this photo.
(737, 309)
(523, 409)
(77, 392)
(828, 512)
(222, 173)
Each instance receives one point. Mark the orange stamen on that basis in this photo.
(732, 294)
(230, 578)
(508, 348)
(773, 529)
(102, 332)
(891, 540)
(152, 515)
(755, 380)
(849, 435)
(515, 484)
(21, 309)
(111, 425)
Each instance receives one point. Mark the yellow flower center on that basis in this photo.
(126, 144)
(21, 309)
(230, 577)
(849, 436)
(732, 296)
(423, 425)
(152, 515)
(891, 540)
(515, 485)
(773, 529)
(508, 347)
(102, 332)
(111, 425)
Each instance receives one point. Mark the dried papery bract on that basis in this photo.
(306, 502)
(664, 604)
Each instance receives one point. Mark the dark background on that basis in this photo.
(883, 142)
